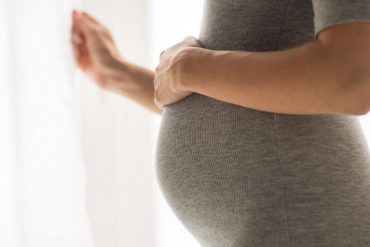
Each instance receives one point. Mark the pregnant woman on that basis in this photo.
(260, 142)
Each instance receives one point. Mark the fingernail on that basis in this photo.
(74, 12)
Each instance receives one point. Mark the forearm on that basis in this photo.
(136, 83)
(301, 80)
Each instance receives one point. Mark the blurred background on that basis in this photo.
(77, 163)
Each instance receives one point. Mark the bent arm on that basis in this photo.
(329, 75)
(138, 84)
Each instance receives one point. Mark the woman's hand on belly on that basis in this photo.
(167, 83)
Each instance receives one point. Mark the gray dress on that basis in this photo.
(238, 177)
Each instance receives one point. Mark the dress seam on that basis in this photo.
(283, 23)
(276, 132)
(282, 173)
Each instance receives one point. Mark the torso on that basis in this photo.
(236, 176)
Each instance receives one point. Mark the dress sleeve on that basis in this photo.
(331, 12)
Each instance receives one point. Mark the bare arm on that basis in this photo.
(142, 91)
(97, 55)
(330, 75)
(134, 82)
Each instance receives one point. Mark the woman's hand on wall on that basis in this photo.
(97, 55)
(94, 49)
(169, 76)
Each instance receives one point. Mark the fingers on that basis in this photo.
(84, 24)
(192, 41)
(76, 40)
(77, 53)
(162, 52)
(76, 37)
(79, 33)
(90, 18)
(188, 41)
(87, 19)
(81, 30)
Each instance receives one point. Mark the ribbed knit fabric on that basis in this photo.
(239, 177)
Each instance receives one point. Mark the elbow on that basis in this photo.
(363, 107)
(353, 108)
(360, 111)
(363, 111)
(357, 96)
(361, 91)
(349, 66)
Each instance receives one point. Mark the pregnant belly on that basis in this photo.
(208, 156)
(223, 168)
(199, 132)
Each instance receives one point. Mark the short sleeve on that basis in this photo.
(332, 12)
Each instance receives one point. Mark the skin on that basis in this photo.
(166, 78)
(96, 54)
(315, 78)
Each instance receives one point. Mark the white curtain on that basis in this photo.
(75, 162)
(42, 175)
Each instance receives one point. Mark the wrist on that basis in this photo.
(122, 77)
(129, 79)
(113, 72)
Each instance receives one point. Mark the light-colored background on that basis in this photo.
(133, 212)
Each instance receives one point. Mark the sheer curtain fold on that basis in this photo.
(8, 212)
(41, 165)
